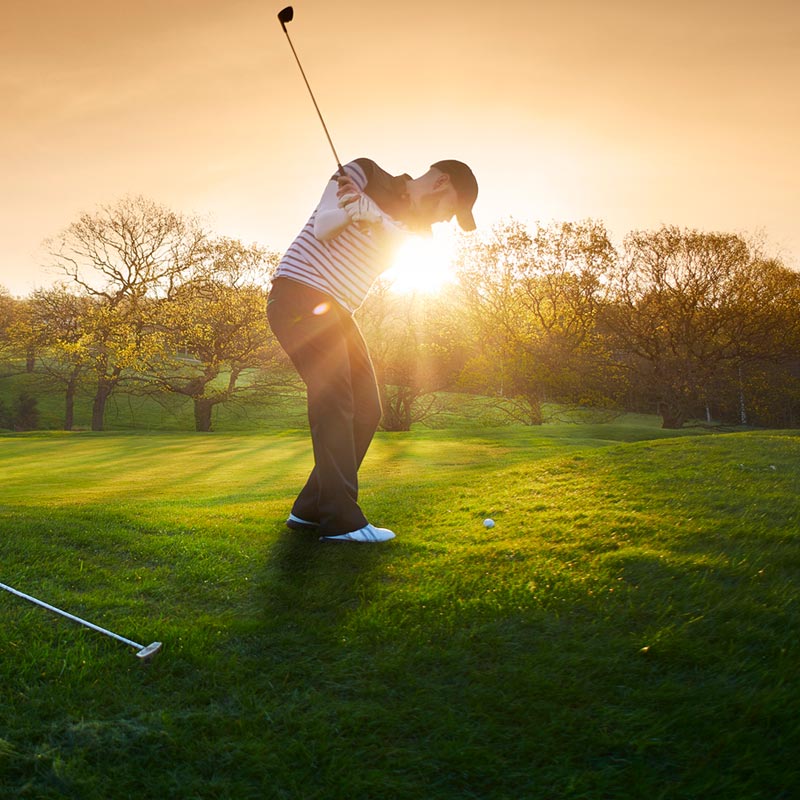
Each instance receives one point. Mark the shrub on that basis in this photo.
(25, 416)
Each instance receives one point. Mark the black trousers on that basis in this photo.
(326, 347)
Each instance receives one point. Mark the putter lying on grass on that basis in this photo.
(143, 652)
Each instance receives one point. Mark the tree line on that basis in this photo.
(544, 321)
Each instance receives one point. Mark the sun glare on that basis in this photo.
(424, 264)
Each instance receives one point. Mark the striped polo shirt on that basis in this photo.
(346, 266)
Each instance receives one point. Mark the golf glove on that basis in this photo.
(361, 209)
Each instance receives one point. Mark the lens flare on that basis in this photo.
(424, 265)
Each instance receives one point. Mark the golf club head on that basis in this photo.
(285, 15)
(148, 652)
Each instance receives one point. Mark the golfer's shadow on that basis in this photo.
(295, 553)
(327, 580)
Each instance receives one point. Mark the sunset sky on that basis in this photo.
(634, 113)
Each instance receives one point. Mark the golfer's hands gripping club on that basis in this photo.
(360, 208)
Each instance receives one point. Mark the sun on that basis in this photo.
(424, 264)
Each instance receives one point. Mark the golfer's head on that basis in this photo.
(448, 189)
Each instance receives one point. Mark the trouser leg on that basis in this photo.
(329, 353)
(366, 413)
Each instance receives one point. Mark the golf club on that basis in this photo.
(143, 652)
(284, 16)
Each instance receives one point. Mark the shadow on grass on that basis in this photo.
(317, 585)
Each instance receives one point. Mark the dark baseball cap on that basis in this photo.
(466, 187)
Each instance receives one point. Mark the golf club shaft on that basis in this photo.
(71, 616)
(313, 99)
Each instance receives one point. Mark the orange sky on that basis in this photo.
(637, 113)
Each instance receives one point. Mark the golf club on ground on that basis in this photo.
(143, 652)
(284, 16)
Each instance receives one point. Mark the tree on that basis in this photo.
(8, 314)
(690, 309)
(767, 375)
(214, 329)
(55, 326)
(124, 257)
(6, 417)
(534, 298)
(409, 352)
(25, 413)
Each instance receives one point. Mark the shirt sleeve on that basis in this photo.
(330, 220)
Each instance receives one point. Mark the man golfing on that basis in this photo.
(324, 276)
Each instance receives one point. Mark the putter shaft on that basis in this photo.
(143, 652)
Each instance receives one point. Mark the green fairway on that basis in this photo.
(629, 628)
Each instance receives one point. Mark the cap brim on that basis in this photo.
(465, 220)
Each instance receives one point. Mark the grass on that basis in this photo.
(628, 629)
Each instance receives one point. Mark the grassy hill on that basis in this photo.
(628, 629)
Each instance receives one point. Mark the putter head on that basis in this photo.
(285, 15)
(148, 652)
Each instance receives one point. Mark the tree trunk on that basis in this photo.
(203, 407)
(99, 405)
(30, 360)
(69, 405)
(742, 406)
(533, 406)
(671, 418)
(396, 410)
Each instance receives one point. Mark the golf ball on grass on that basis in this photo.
(488, 523)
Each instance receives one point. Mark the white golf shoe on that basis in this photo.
(298, 524)
(367, 534)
